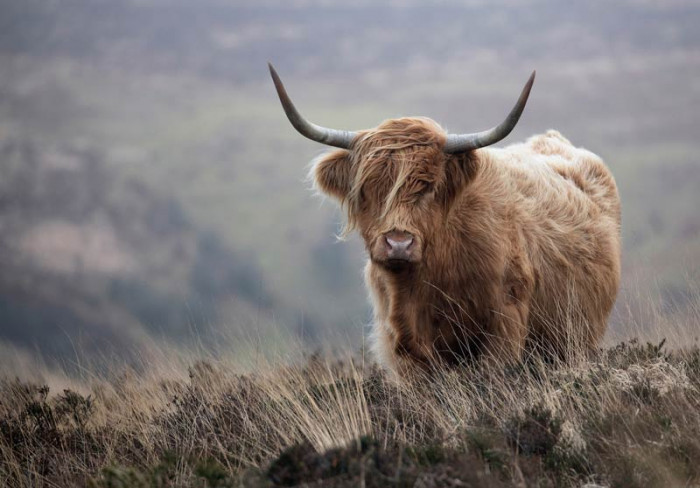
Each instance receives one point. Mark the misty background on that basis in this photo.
(152, 190)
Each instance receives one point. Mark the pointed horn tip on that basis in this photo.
(279, 86)
(331, 137)
(530, 82)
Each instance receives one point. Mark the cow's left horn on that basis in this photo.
(331, 137)
(457, 143)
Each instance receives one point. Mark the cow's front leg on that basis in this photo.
(402, 359)
(506, 336)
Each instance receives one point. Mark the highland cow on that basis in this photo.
(475, 251)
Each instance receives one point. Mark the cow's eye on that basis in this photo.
(364, 203)
(424, 188)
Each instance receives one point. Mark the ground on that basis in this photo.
(628, 417)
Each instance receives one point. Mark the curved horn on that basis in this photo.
(457, 143)
(331, 137)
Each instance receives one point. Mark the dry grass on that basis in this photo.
(628, 417)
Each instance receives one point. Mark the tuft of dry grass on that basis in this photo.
(628, 417)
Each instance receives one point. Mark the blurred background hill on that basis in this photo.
(152, 189)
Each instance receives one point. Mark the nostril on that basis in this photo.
(389, 243)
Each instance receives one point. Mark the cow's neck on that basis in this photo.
(437, 305)
(424, 313)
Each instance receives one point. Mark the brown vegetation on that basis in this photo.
(629, 417)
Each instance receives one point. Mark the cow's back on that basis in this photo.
(567, 209)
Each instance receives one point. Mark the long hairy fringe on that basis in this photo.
(376, 147)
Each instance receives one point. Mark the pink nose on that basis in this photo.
(399, 245)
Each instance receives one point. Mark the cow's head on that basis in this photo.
(397, 181)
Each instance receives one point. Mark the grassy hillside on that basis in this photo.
(94, 261)
(627, 418)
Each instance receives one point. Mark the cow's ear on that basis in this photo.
(332, 173)
(460, 169)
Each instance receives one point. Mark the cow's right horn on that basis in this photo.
(330, 137)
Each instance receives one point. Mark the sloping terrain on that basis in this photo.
(92, 263)
(627, 418)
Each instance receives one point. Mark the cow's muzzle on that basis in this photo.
(399, 245)
(397, 250)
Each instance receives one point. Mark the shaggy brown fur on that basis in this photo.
(514, 247)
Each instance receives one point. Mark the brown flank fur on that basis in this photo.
(519, 247)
